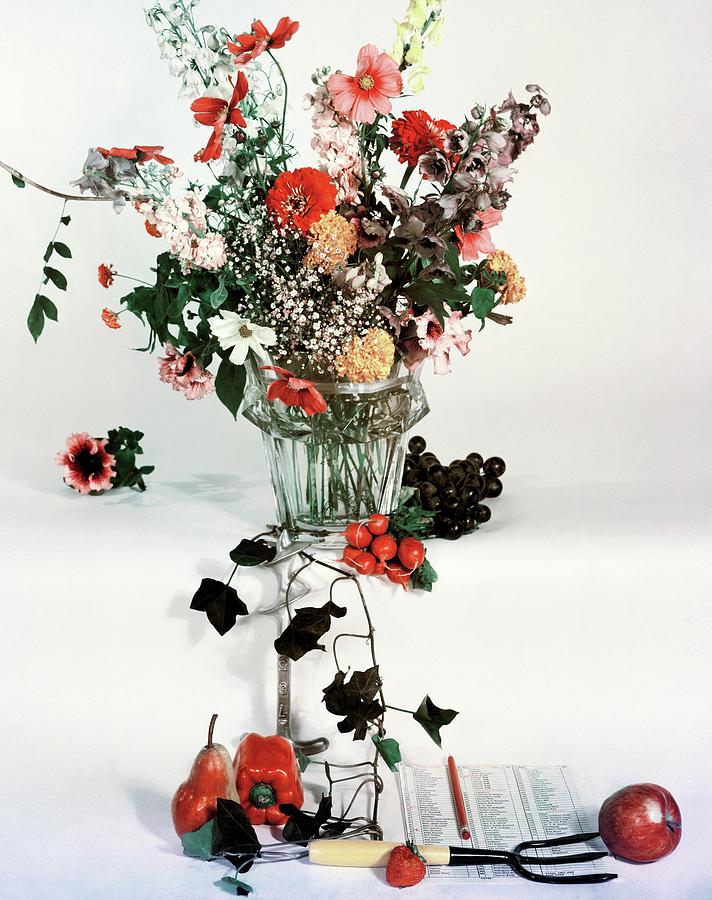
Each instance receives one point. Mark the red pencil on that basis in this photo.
(459, 801)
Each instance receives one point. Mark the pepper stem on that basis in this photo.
(211, 728)
(262, 795)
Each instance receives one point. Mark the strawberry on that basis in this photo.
(406, 866)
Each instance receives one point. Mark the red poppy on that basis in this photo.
(293, 391)
(418, 133)
(141, 154)
(300, 198)
(217, 112)
(106, 275)
(251, 44)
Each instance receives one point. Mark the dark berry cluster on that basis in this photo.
(453, 492)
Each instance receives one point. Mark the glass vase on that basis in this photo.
(340, 465)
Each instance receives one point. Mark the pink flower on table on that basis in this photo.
(437, 341)
(361, 96)
(475, 237)
(184, 373)
(88, 468)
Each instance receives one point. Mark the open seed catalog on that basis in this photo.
(505, 805)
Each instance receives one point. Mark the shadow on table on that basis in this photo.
(153, 811)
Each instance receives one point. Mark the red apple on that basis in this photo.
(640, 823)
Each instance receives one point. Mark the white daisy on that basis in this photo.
(233, 331)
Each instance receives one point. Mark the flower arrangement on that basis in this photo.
(335, 271)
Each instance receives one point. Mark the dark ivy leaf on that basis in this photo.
(243, 889)
(56, 277)
(65, 220)
(220, 603)
(302, 826)
(18, 182)
(389, 749)
(432, 718)
(230, 385)
(306, 627)
(36, 319)
(354, 699)
(253, 553)
(234, 833)
(48, 252)
(199, 844)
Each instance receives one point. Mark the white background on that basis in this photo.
(573, 628)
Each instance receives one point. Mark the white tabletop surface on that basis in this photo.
(573, 629)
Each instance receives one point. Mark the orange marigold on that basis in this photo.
(333, 239)
(110, 318)
(367, 358)
(514, 288)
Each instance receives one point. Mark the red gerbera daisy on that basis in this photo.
(106, 274)
(300, 198)
(418, 133)
(251, 44)
(87, 466)
(217, 112)
(293, 391)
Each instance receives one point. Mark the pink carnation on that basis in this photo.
(435, 341)
(184, 373)
(88, 468)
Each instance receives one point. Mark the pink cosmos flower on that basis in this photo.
(477, 238)
(184, 373)
(88, 468)
(361, 96)
(435, 341)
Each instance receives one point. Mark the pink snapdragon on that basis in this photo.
(336, 142)
(182, 221)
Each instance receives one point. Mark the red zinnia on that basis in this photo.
(141, 154)
(217, 112)
(300, 198)
(293, 391)
(418, 133)
(251, 44)
(109, 318)
(87, 465)
(106, 275)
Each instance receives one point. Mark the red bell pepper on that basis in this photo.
(267, 774)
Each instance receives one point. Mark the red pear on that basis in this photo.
(211, 777)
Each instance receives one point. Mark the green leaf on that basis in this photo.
(36, 319)
(389, 750)
(234, 833)
(435, 293)
(305, 628)
(302, 827)
(230, 385)
(62, 249)
(253, 553)
(199, 844)
(219, 295)
(220, 603)
(49, 309)
(65, 220)
(482, 301)
(56, 277)
(432, 718)
(302, 759)
(452, 258)
(243, 889)
(18, 182)
(424, 577)
(48, 252)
